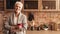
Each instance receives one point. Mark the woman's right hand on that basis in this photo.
(12, 28)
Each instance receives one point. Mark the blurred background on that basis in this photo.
(41, 15)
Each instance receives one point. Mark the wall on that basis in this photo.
(1, 23)
(46, 17)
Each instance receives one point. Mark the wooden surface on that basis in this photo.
(43, 32)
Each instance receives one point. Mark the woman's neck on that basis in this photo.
(17, 14)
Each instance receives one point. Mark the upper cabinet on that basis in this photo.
(58, 5)
(34, 5)
(49, 5)
(30, 5)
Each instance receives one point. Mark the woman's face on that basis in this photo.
(18, 8)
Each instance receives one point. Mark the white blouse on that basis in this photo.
(15, 20)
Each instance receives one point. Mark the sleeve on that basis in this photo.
(25, 22)
(6, 24)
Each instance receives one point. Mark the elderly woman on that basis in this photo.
(17, 22)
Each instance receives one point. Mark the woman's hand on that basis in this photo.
(13, 28)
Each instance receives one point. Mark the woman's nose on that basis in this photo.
(17, 7)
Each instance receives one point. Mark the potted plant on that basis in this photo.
(45, 27)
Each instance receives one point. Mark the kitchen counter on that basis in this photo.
(43, 32)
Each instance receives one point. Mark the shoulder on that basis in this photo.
(23, 15)
(11, 15)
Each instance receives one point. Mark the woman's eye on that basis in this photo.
(19, 7)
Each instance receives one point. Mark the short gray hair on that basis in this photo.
(18, 2)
